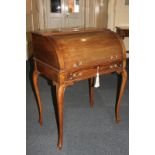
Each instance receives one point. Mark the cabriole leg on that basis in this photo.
(60, 99)
(123, 83)
(35, 83)
(91, 91)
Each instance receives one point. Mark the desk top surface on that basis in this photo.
(73, 30)
(123, 27)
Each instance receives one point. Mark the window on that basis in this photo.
(71, 6)
(56, 6)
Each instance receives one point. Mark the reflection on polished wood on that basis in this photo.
(66, 57)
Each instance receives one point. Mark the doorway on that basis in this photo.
(75, 13)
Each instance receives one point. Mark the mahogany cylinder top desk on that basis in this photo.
(68, 56)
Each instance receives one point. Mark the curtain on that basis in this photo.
(34, 21)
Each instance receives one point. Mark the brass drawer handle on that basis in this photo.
(113, 66)
(80, 74)
(77, 64)
(74, 75)
(113, 57)
(77, 74)
(71, 76)
(80, 63)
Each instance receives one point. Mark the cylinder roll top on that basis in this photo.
(69, 50)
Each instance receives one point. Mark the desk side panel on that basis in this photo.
(45, 50)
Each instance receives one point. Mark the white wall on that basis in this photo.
(118, 15)
(122, 13)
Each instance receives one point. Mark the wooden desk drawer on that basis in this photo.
(91, 71)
